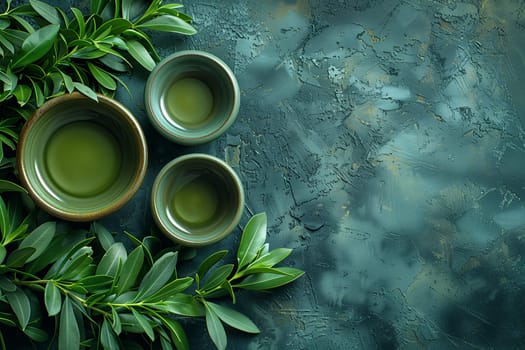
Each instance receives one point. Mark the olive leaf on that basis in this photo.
(52, 299)
(107, 336)
(36, 45)
(48, 12)
(39, 239)
(233, 318)
(177, 334)
(8, 186)
(144, 323)
(168, 23)
(159, 274)
(140, 54)
(68, 333)
(130, 270)
(210, 261)
(253, 238)
(215, 328)
(218, 277)
(265, 281)
(109, 263)
(19, 302)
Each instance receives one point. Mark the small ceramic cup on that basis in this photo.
(192, 97)
(197, 199)
(80, 159)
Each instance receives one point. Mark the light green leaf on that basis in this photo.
(102, 77)
(109, 263)
(69, 333)
(233, 318)
(253, 238)
(52, 299)
(264, 281)
(48, 12)
(182, 304)
(159, 274)
(103, 235)
(86, 90)
(8, 186)
(215, 329)
(211, 260)
(126, 8)
(22, 94)
(36, 45)
(39, 238)
(20, 305)
(140, 54)
(177, 334)
(130, 270)
(18, 257)
(218, 277)
(168, 23)
(107, 336)
(143, 321)
(170, 289)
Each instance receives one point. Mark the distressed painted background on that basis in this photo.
(385, 140)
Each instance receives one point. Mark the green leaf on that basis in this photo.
(264, 281)
(159, 274)
(114, 62)
(20, 305)
(233, 318)
(39, 238)
(79, 17)
(218, 277)
(68, 333)
(181, 304)
(3, 253)
(177, 334)
(103, 235)
(79, 268)
(102, 77)
(39, 95)
(86, 90)
(5, 226)
(68, 81)
(228, 287)
(215, 329)
(126, 8)
(22, 94)
(140, 54)
(18, 257)
(168, 23)
(256, 269)
(7, 44)
(116, 324)
(109, 263)
(211, 260)
(36, 334)
(253, 238)
(95, 283)
(36, 45)
(130, 270)
(170, 289)
(8, 186)
(143, 321)
(107, 336)
(48, 12)
(52, 299)
(7, 284)
(116, 26)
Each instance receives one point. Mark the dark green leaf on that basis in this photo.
(79, 17)
(264, 281)
(69, 333)
(3, 253)
(8, 186)
(114, 62)
(211, 260)
(255, 269)
(182, 304)
(48, 12)
(140, 54)
(228, 287)
(116, 26)
(5, 225)
(130, 270)
(39, 95)
(168, 23)
(36, 334)
(79, 268)
(86, 90)
(52, 299)
(215, 329)
(102, 77)
(144, 39)
(126, 8)
(22, 94)
(144, 322)
(18, 257)
(68, 82)
(67, 263)
(130, 323)
(20, 305)
(253, 238)
(159, 274)
(7, 284)
(96, 283)
(88, 53)
(107, 336)
(39, 238)
(115, 323)
(115, 255)
(177, 334)
(7, 44)
(97, 6)
(36, 45)
(233, 318)
(22, 22)
(170, 289)
(103, 235)
(218, 277)
(61, 248)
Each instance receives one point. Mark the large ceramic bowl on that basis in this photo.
(192, 97)
(80, 159)
(197, 199)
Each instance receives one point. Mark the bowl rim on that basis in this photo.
(167, 132)
(138, 177)
(188, 241)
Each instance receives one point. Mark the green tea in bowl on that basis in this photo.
(81, 159)
(197, 199)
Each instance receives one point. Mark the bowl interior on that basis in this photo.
(207, 69)
(81, 159)
(197, 199)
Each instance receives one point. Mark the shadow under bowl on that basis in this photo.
(80, 159)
